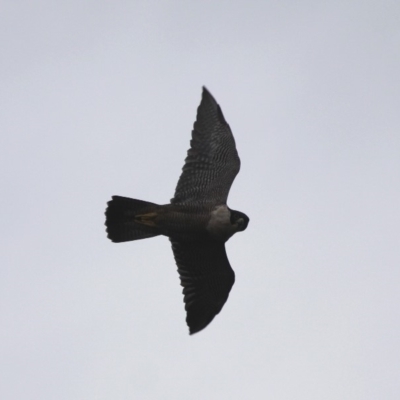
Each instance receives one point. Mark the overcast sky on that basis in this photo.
(98, 98)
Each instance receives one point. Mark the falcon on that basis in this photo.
(197, 221)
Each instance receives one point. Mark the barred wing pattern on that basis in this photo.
(206, 277)
(212, 162)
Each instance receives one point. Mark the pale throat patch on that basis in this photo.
(219, 225)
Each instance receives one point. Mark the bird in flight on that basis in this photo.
(197, 221)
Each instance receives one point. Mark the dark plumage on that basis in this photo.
(197, 221)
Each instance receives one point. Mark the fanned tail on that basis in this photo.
(130, 219)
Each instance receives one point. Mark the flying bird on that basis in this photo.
(197, 221)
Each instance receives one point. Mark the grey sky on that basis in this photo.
(98, 98)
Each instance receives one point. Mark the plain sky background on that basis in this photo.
(99, 97)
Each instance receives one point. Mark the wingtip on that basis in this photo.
(206, 92)
(196, 325)
(208, 97)
(194, 331)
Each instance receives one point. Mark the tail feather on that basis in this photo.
(122, 221)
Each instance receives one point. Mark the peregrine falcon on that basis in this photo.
(197, 221)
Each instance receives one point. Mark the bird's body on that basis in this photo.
(197, 221)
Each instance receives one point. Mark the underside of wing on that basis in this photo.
(206, 277)
(212, 161)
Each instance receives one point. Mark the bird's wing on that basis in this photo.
(212, 161)
(206, 277)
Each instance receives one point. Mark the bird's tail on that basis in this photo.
(130, 219)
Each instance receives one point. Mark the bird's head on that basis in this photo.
(239, 219)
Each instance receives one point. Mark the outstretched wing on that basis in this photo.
(206, 277)
(212, 161)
